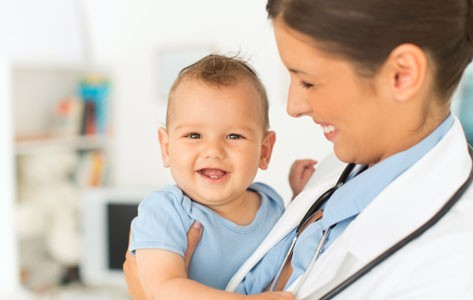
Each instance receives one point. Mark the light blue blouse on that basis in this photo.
(342, 208)
(165, 216)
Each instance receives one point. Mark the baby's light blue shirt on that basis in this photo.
(342, 208)
(165, 216)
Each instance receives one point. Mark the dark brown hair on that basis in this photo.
(220, 70)
(366, 31)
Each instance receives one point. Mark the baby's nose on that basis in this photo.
(213, 150)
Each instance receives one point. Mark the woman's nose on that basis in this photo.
(297, 103)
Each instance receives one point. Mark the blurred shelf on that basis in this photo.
(41, 143)
(72, 292)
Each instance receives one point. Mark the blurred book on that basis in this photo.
(84, 114)
(89, 119)
(94, 91)
(67, 118)
(92, 171)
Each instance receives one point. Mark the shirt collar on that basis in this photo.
(350, 199)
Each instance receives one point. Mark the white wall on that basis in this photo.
(41, 30)
(129, 34)
(8, 256)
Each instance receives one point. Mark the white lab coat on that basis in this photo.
(437, 265)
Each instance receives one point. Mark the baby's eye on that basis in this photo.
(193, 135)
(234, 136)
(306, 85)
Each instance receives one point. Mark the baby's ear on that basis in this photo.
(267, 149)
(163, 138)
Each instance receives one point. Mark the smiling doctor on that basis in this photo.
(378, 76)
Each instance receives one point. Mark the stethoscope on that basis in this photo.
(383, 256)
(312, 210)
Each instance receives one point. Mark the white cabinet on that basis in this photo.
(38, 91)
(37, 139)
(8, 259)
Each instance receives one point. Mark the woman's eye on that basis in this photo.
(234, 136)
(306, 85)
(193, 135)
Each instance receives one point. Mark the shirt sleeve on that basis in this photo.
(162, 222)
(271, 193)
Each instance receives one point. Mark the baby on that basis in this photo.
(216, 137)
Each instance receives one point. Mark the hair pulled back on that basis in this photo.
(366, 31)
(469, 22)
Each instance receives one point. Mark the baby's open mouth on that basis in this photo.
(213, 173)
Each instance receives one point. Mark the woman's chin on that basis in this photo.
(343, 155)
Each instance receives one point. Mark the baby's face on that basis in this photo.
(215, 141)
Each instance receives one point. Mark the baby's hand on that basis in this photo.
(300, 172)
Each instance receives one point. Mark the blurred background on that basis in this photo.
(83, 87)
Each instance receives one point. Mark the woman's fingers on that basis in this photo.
(273, 296)
(132, 279)
(193, 238)
(130, 268)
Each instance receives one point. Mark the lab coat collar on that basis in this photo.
(402, 207)
(358, 192)
(411, 199)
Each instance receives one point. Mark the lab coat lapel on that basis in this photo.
(324, 178)
(413, 198)
(406, 204)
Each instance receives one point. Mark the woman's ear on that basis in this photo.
(407, 65)
(267, 149)
(163, 138)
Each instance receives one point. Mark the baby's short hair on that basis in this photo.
(220, 70)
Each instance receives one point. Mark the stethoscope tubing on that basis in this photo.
(286, 258)
(315, 257)
(315, 207)
(399, 245)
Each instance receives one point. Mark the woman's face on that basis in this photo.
(350, 109)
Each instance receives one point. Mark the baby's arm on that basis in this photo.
(299, 174)
(163, 275)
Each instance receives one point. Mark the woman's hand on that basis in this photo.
(135, 288)
(299, 174)
(193, 238)
(272, 296)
